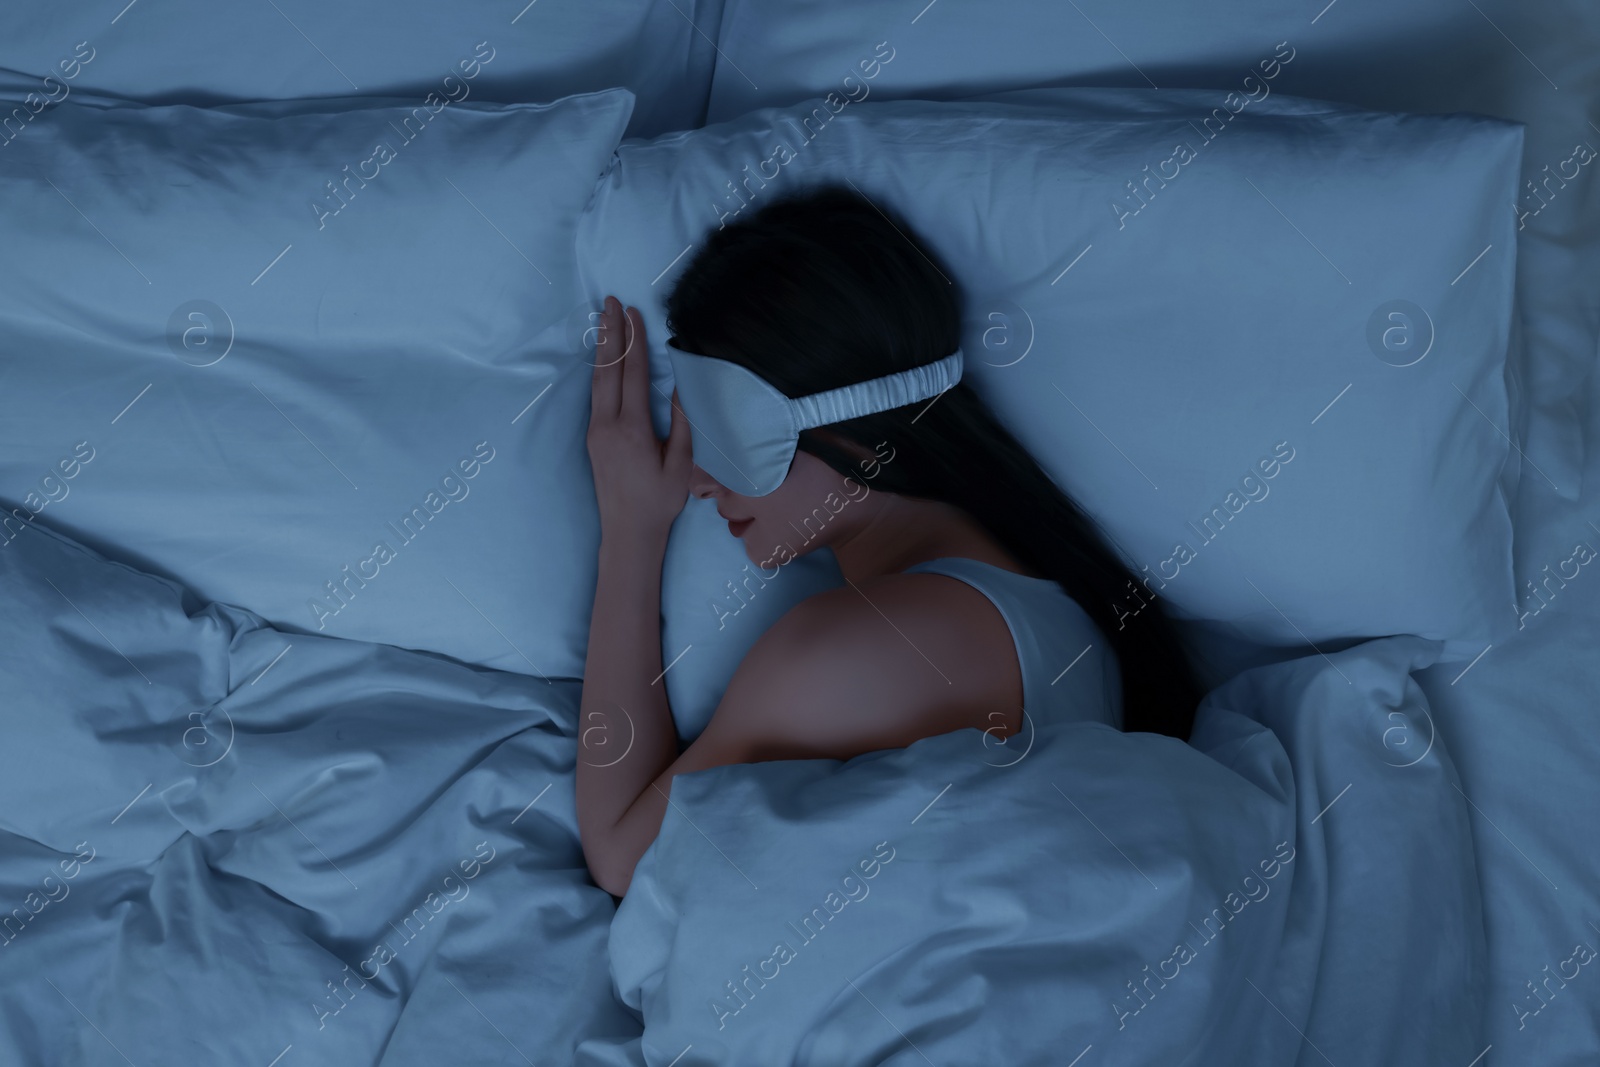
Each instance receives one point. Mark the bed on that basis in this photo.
(298, 542)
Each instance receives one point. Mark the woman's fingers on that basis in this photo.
(635, 402)
(606, 390)
(679, 448)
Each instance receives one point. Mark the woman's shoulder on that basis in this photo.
(926, 602)
(901, 656)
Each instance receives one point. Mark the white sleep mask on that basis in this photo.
(744, 431)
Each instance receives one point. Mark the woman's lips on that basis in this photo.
(738, 528)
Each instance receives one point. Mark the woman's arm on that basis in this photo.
(626, 736)
(625, 729)
(627, 741)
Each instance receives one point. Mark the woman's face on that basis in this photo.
(815, 506)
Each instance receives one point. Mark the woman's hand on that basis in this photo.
(640, 481)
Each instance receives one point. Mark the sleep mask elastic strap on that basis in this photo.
(877, 394)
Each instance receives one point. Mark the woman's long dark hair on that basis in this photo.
(823, 289)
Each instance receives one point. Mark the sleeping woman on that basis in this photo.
(816, 349)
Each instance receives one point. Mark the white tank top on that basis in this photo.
(1070, 672)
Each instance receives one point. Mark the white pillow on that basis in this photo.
(773, 55)
(402, 369)
(1167, 359)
